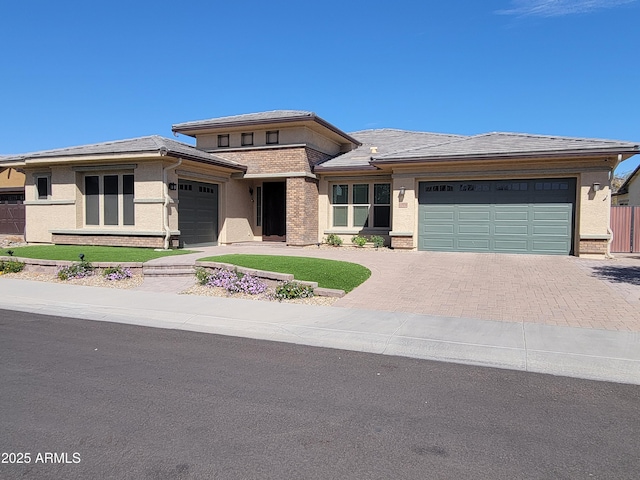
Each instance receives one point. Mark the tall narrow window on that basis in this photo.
(111, 200)
(381, 205)
(340, 200)
(92, 199)
(360, 205)
(128, 214)
(42, 185)
(259, 206)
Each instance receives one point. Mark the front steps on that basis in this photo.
(179, 271)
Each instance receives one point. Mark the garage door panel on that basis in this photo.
(511, 229)
(474, 245)
(474, 229)
(552, 230)
(496, 216)
(513, 246)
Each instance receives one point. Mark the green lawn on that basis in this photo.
(91, 253)
(328, 273)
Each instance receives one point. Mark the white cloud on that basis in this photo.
(556, 8)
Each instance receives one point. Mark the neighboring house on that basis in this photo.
(291, 176)
(11, 184)
(629, 191)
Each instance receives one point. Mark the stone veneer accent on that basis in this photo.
(402, 242)
(302, 211)
(110, 240)
(593, 247)
(276, 160)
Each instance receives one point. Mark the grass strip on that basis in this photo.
(328, 273)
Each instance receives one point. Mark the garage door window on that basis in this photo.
(361, 205)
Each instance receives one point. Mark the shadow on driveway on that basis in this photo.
(621, 274)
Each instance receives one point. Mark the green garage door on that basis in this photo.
(197, 213)
(514, 216)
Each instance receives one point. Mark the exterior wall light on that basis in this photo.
(402, 190)
(595, 186)
(173, 186)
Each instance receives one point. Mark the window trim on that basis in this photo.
(222, 140)
(246, 139)
(124, 211)
(275, 133)
(350, 206)
(36, 179)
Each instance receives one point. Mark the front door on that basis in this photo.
(274, 225)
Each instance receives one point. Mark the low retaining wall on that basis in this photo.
(51, 266)
(280, 277)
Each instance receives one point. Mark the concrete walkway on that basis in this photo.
(578, 352)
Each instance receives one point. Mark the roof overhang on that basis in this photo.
(192, 129)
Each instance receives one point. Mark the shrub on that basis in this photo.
(359, 241)
(234, 282)
(116, 273)
(76, 270)
(293, 290)
(333, 239)
(12, 266)
(202, 276)
(377, 241)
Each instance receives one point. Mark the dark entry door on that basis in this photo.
(274, 225)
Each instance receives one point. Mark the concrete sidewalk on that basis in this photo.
(559, 350)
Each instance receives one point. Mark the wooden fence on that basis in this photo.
(12, 218)
(625, 224)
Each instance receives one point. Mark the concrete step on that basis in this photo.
(168, 272)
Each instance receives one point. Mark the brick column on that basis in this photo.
(302, 211)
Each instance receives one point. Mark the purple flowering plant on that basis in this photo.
(116, 273)
(233, 281)
(75, 270)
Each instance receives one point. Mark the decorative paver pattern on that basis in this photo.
(552, 290)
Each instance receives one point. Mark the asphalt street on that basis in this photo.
(130, 402)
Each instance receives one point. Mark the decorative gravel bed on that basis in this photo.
(91, 281)
(267, 296)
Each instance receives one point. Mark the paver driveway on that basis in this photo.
(554, 290)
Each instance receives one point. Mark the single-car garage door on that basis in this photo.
(509, 216)
(197, 213)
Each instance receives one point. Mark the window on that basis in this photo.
(361, 205)
(109, 199)
(223, 140)
(42, 188)
(247, 139)
(273, 137)
(258, 206)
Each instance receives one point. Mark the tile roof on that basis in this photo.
(508, 144)
(148, 144)
(260, 117)
(385, 141)
(400, 145)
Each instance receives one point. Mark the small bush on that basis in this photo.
(359, 241)
(12, 266)
(76, 270)
(116, 273)
(333, 239)
(290, 290)
(377, 241)
(202, 276)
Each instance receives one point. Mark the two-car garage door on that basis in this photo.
(510, 216)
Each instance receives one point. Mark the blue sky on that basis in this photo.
(76, 72)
